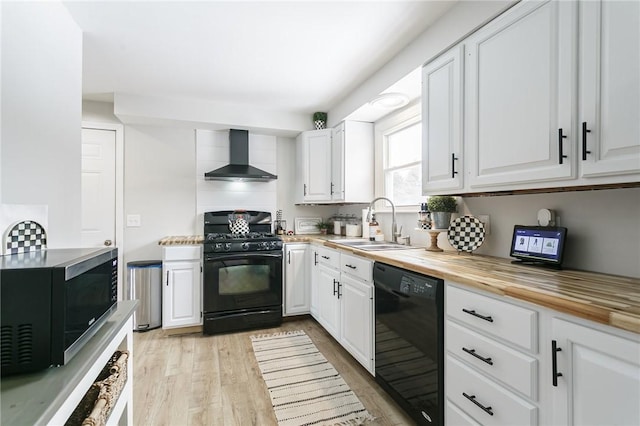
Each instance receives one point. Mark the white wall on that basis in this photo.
(212, 152)
(41, 114)
(159, 185)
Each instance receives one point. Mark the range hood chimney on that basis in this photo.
(238, 168)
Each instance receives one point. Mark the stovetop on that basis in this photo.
(218, 237)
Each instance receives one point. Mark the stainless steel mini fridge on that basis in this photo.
(144, 283)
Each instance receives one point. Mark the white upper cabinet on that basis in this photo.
(336, 165)
(314, 161)
(352, 162)
(442, 101)
(609, 111)
(519, 98)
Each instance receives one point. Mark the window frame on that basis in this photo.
(391, 123)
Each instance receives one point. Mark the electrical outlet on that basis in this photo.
(484, 218)
(133, 220)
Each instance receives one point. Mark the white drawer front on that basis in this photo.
(356, 266)
(505, 407)
(505, 364)
(329, 257)
(181, 252)
(501, 319)
(456, 417)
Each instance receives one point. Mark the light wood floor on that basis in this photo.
(192, 379)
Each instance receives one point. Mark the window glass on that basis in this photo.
(401, 165)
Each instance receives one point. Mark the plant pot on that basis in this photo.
(320, 124)
(323, 231)
(441, 220)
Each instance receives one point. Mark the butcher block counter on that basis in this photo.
(607, 299)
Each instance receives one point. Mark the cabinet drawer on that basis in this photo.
(502, 319)
(181, 253)
(455, 416)
(505, 407)
(505, 364)
(329, 257)
(356, 266)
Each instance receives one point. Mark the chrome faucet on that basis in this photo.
(394, 225)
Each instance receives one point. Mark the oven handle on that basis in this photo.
(218, 257)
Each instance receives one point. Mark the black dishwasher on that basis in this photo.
(409, 344)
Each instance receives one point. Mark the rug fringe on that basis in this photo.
(283, 333)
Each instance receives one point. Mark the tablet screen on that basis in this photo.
(538, 243)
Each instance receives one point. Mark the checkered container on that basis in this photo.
(24, 237)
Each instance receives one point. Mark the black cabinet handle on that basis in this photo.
(335, 291)
(472, 398)
(315, 257)
(453, 165)
(554, 362)
(560, 138)
(584, 140)
(339, 287)
(481, 358)
(331, 188)
(351, 266)
(326, 257)
(475, 314)
(289, 258)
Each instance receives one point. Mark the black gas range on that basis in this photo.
(242, 277)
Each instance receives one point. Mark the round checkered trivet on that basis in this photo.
(466, 233)
(25, 236)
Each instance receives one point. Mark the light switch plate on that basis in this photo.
(133, 220)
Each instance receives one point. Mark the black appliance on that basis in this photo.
(53, 301)
(238, 167)
(242, 277)
(409, 341)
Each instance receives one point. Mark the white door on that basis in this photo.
(356, 320)
(609, 88)
(181, 295)
(98, 187)
(600, 381)
(442, 123)
(519, 95)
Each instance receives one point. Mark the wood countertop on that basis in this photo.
(181, 240)
(607, 299)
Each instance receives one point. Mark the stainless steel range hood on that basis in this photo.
(238, 168)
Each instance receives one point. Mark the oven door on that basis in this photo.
(239, 281)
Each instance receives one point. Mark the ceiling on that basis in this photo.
(300, 56)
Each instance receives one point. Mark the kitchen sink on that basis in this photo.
(372, 245)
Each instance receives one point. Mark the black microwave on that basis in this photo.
(53, 301)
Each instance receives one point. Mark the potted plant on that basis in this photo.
(323, 227)
(320, 120)
(441, 207)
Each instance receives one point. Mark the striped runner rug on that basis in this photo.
(304, 387)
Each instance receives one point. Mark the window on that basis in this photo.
(398, 157)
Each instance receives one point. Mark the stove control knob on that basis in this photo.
(218, 247)
(227, 246)
(245, 246)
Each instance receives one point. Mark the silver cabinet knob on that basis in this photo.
(107, 243)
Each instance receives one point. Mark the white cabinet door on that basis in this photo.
(296, 280)
(181, 295)
(328, 302)
(337, 163)
(357, 319)
(609, 88)
(442, 156)
(314, 277)
(315, 148)
(519, 96)
(600, 382)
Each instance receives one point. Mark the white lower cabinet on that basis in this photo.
(181, 286)
(296, 279)
(600, 376)
(342, 302)
(515, 363)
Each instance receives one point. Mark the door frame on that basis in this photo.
(119, 207)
